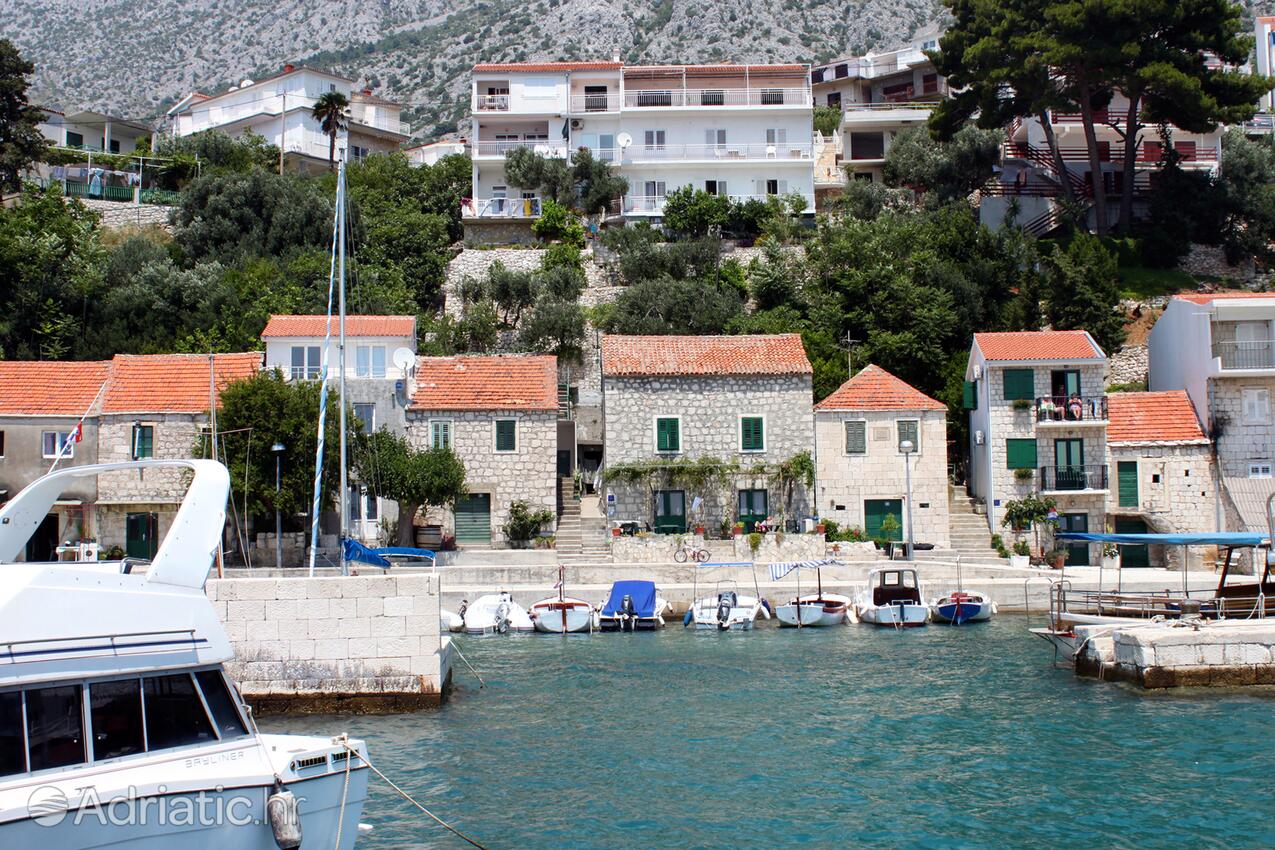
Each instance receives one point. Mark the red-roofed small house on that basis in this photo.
(1038, 424)
(860, 431)
(499, 414)
(155, 405)
(742, 399)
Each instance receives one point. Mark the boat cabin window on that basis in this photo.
(115, 709)
(221, 704)
(13, 754)
(898, 579)
(55, 726)
(175, 715)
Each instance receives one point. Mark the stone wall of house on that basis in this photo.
(1210, 261)
(1240, 441)
(175, 436)
(329, 641)
(528, 474)
(709, 408)
(844, 481)
(1177, 493)
(772, 548)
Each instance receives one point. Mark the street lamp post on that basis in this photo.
(277, 448)
(906, 446)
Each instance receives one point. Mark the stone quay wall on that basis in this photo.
(1181, 654)
(772, 548)
(360, 643)
(117, 214)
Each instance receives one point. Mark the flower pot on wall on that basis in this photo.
(1020, 562)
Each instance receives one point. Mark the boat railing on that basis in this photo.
(1149, 604)
(16, 651)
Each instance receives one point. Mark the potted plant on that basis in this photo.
(1023, 474)
(1056, 557)
(1021, 558)
(724, 528)
(524, 523)
(616, 531)
(1021, 404)
(699, 529)
(820, 528)
(1110, 556)
(738, 528)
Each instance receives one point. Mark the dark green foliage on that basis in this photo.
(674, 306)
(942, 172)
(554, 326)
(391, 468)
(586, 185)
(827, 119)
(331, 111)
(1081, 289)
(21, 142)
(691, 212)
(211, 151)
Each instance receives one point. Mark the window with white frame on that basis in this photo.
(305, 362)
(1257, 405)
(369, 361)
(57, 444)
(777, 136)
(440, 434)
(714, 138)
(1259, 469)
(654, 140)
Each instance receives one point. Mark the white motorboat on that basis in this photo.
(450, 621)
(118, 725)
(813, 609)
(632, 606)
(562, 614)
(726, 610)
(496, 613)
(960, 607)
(892, 598)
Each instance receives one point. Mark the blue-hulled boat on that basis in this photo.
(960, 607)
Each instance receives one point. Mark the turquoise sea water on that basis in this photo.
(851, 736)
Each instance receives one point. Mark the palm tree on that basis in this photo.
(329, 111)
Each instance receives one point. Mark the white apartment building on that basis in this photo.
(879, 94)
(738, 130)
(432, 152)
(279, 108)
(91, 131)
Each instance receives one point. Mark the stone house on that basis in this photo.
(859, 434)
(155, 405)
(379, 362)
(671, 400)
(1220, 348)
(41, 404)
(500, 415)
(1162, 464)
(1038, 423)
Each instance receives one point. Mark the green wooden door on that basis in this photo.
(473, 518)
(874, 513)
(141, 537)
(754, 506)
(1127, 483)
(1132, 556)
(1077, 553)
(670, 511)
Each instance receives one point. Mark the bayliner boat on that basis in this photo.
(118, 725)
(960, 607)
(893, 598)
(632, 606)
(496, 613)
(562, 614)
(727, 609)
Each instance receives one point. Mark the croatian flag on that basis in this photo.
(77, 434)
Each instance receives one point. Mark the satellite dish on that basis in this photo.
(404, 359)
(624, 140)
(245, 83)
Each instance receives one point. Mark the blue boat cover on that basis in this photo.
(1220, 538)
(643, 593)
(356, 551)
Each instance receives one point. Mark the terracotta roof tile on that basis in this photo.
(172, 383)
(488, 67)
(1038, 345)
(500, 382)
(1164, 417)
(1208, 297)
(316, 326)
(50, 387)
(759, 354)
(873, 388)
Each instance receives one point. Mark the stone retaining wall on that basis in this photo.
(1181, 654)
(118, 214)
(659, 548)
(362, 643)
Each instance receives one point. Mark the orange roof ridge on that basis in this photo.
(314, 325)
(173, 383)
(1038, 345)
(486, 382)
(1206, 297)
(874, 388)
(1152, 417)
(754, 354)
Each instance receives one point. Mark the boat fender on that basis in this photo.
(765, 603)
(464, 606)
(690, 615)
(284, 812)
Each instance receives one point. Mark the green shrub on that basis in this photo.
(525, 522)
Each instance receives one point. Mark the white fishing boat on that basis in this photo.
(496, 613)
(632, 606)
(892, 598)
(562, 614)
(726, 610)
(118, 725)
(813, 609)
(450, 621)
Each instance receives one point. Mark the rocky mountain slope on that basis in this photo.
(133, 57)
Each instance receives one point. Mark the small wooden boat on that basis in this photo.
(893, 598)
(960, 607)
(816, 609)
(562, 614)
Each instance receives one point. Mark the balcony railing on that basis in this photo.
(1250, 354)
(595, 103)
(654, 204)
(381, 122)
(716, 97)
(500, 148)
(1075, 408)
(1054, 479)
(656, 153)
(492, 103)
(890, 106)
(500, 208)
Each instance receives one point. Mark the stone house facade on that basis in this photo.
(499, 414)
(861, 479)
(677, 399)
(1038, 424)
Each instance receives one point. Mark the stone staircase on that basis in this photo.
(581, 535)
(969, 535)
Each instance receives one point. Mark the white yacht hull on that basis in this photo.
(496, 613)
(904, 614)
(705, 616)
(831, 610)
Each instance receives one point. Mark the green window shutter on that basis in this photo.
(143, 441)
(1019, 383)
(506, 440)
(856, 437)
(751, 437)
(1127, 487)
(667, 438)
(908, 431)
(441, 434)
(969, 395)
(1020, 454)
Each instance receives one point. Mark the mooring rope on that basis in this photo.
(412, 800)
(345, 792)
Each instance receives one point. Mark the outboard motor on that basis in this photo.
(628, 614)
(464, 606)
(725, 602)
(502, 617)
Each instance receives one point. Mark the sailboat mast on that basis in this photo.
(345, 483)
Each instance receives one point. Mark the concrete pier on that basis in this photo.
(1180, 653)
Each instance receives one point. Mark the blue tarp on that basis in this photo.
(643, 593)
(1221, 538)
(356, 551)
